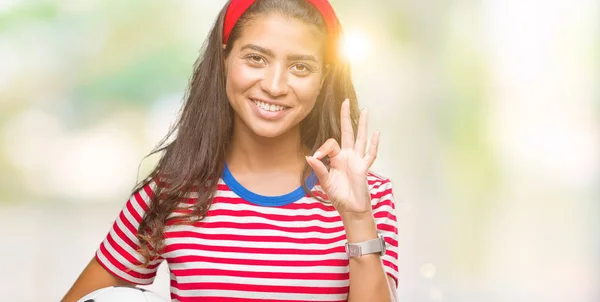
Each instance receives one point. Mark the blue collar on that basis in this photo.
(262, 200)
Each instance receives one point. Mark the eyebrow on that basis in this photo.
(268, 52)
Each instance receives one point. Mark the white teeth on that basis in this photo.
(269, 107)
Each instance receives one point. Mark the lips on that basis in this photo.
(268, 106)
(268, 111)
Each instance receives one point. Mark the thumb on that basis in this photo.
(319, 168)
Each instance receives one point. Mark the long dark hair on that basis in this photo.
(193, 152)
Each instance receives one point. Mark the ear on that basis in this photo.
(224, 46)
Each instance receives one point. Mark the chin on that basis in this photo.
(269, 132)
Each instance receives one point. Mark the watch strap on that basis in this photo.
(372, 246)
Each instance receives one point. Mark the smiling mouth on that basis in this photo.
(269, 107)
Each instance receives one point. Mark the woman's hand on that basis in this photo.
(346, 181)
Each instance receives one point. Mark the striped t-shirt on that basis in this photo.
(252, 248)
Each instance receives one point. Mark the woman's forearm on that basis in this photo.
(368, 281)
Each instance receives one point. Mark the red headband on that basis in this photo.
(236, 9)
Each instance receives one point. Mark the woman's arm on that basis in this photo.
(368, 280)
(93, 277)
(346, 184)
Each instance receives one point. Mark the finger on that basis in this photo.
(329, 148)
(361, 137)
(319, 168)
(372, 154)
(347, 131)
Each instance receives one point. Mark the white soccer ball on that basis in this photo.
(122, 294)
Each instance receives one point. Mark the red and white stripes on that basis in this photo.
(245, 252)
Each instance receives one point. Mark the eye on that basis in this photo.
(255, 59)
(301, 68)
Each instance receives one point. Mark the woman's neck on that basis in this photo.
(251, 152)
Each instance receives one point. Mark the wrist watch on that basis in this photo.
(372, 246)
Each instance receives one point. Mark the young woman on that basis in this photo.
(263, 191)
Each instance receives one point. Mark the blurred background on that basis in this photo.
(489, 113)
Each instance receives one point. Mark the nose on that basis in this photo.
(275, 81)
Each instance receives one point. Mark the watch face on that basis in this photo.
(353, 250)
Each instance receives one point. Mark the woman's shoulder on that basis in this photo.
(380, 189)
(376, 180)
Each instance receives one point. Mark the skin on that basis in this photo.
(262, 66)
(93, 277)
(279, 60)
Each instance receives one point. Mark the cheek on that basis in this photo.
(307, 90)
(240, 78)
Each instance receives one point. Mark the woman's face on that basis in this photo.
(274, 74)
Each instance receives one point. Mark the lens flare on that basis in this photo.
(354, 45)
